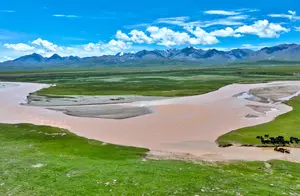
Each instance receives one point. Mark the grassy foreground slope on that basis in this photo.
(287, 125)
(41, 160)
(158, 82)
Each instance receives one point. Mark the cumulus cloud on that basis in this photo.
(122, 36)
(227, 32)
(134, 36)
(111, 46)
(202, 37)
(221, 12)
(168, 37)
(263, 29)
(139, 37)
(45, 44)
(117, 45)
(91, 46)
(195, 35)
(19, 47)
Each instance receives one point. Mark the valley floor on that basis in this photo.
(53, 161)
(181, 125)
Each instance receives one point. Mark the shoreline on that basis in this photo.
(177, 125)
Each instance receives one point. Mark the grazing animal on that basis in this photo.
(278, 141)
(282, 150)
(287, 151)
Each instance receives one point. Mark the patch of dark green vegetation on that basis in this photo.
(42, 160)
(285, 130)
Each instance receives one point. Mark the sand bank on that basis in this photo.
(106, 107)
(181, 126)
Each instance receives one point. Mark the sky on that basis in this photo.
(95, 28)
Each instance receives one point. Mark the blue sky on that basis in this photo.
(93, 27)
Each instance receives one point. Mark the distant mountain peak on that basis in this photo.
(120, 54)
(31, 57)
(55, 56)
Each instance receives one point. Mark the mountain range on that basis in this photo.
(188, 55)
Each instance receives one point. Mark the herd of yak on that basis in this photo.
(278, 142)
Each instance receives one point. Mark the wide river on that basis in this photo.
(178, 125)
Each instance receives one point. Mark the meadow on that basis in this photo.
(41, 160)
(180, 81)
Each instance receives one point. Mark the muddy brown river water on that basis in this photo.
(185, 126)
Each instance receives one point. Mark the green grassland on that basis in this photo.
(287, 125)
(180, 81)
(41, 160)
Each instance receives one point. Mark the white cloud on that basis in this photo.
(195, 35)
(45, 44)
(8, 11)
(221, 12)
(281, 16)
(134, 36)
(111, 46)
(227, 32)
(65, 16)
(202, 37)
(263, 29)
(117, 45)
(219, 22)
(6, 58)
(292, 12)
(253, 47)
(91, 46)
(183, 21)
(230, 18)
(180, 21)
(167, 37)
(139, 37)
(252, 10)
(239, 17)
(19, 47)
(122, 36)
(292, 15)
(297, 29)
